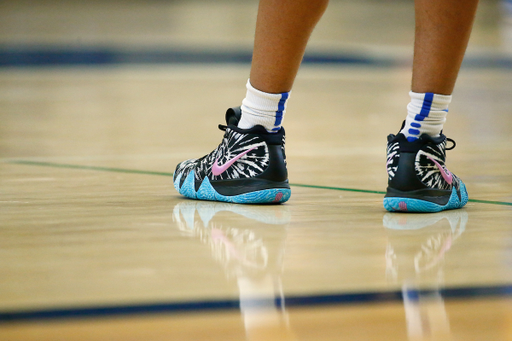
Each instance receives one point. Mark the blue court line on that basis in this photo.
(22, 56)
(135, 171)
(234, 304)
(41, 56)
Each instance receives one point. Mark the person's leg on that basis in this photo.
(249, 165)
(283, 29)
(442, 33)
(417, 177)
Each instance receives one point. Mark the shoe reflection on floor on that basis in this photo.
(249, 254)
(417, 245)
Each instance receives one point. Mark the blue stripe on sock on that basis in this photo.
(280, 108)
(425, 109)
(415, 125)
(414, 131)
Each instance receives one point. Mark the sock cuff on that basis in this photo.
(262, 108)
(264, 101)
(429, 101)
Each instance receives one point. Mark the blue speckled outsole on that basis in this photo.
(397, 204)
(207, 192)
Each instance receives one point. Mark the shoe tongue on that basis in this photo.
(233, 116)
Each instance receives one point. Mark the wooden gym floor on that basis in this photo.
(95, 243)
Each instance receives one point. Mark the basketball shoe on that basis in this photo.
(418, 180)
(248, 167)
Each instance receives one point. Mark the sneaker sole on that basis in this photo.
(207, 192)
(402, 204)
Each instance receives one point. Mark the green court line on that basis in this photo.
(381, 192)
(95, 168)
(340, 189)
(134, 171)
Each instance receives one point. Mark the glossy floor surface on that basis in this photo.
(95, 243)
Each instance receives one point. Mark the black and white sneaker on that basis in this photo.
(418, 180)
(248, 167)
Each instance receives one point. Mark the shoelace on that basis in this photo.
(452, 141)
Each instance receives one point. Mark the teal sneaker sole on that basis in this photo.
(207, 192)
(401, 204)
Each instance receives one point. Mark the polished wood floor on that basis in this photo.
(95, 243)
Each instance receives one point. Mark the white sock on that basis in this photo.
(261, 108)
(426, 114)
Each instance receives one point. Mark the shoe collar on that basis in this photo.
(423, 139)
(233, 116)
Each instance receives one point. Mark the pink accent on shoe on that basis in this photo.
(445, 173)
(390, 158)
(402, 205)
(279, 196)
(218, 170)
